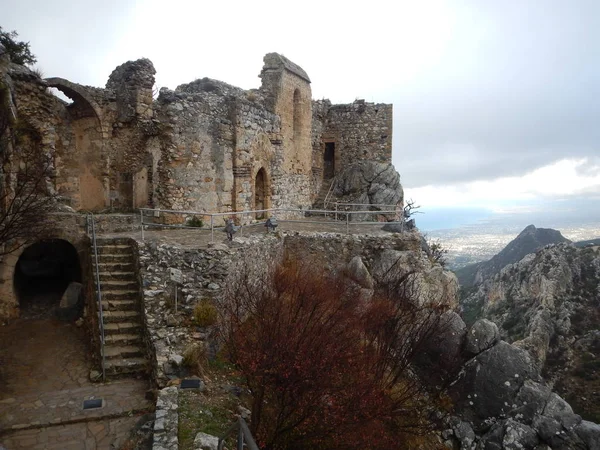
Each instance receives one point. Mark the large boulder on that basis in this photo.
(372, 183)
(71, 302)
(204, 441)
(439, 359)
(488, 384)
(589, 433)
(358, 272)
(482, 335)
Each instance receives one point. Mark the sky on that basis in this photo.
(496, 102)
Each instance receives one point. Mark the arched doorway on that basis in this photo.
(329, 160)
(42, 274)
(260, 193)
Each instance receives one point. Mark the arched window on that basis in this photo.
(297, 114)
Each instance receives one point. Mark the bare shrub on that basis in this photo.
(325, 369)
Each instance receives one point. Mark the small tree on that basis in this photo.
(410, 209)
(25, 200)
(438, 252)
(18, 51)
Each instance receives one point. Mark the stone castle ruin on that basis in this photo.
(205, 146)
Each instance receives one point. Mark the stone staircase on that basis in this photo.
(124, 349)
(319, 202)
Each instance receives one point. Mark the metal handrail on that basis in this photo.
(325, 202)
(242, 213)
(244, 437)
(98, 294)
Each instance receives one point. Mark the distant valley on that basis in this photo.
(480, 242)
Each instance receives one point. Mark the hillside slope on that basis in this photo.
(528, 241)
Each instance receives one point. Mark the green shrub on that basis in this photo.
(205, 314)
(195, 221)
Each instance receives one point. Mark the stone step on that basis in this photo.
(123, 339)
(122, 328)
(118, 249)
(113, 241)
(120, 305)
(116, 267)
(123, 351)
(120, 258)
(115, 275)
(119, 294)
(118, 285)
(127, 366)
(120, 316)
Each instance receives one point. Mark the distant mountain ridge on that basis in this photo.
(528, 241)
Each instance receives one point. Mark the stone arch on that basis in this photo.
(261, 192)
(43, 272)
(88, 162)
(76, 92)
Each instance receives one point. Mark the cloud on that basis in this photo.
(559, 180)
(516, 91)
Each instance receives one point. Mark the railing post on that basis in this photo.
(347, 222)
(212, 230)
(240, 439)
(336, 210)
(142, 222)
(99, 297)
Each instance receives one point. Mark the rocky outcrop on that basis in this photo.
(430, 281)
(500, 401)
(547, 304)
(370, 183)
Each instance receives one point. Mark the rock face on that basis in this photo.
(501, 403)
(547, 304)
(483, 335)
(370, 183)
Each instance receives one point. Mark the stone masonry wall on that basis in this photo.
(206, 146)
(361, 131)
(205, 272)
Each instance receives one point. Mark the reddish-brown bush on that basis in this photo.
(326, 369)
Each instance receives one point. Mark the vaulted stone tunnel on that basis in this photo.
(43, 273)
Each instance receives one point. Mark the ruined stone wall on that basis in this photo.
(287, 91)
(360, 131)
(207, 146)
(195, 171)
(205, 274)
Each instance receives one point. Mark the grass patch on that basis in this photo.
(198, 412)
(214, 410)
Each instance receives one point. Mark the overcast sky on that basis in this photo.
(496, 102)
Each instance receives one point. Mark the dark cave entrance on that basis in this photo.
(42, 274)
(329, 160)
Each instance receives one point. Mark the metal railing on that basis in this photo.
(326, 201)
(244, 436)
(92, 229)
(341, 218)
(345, 206)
